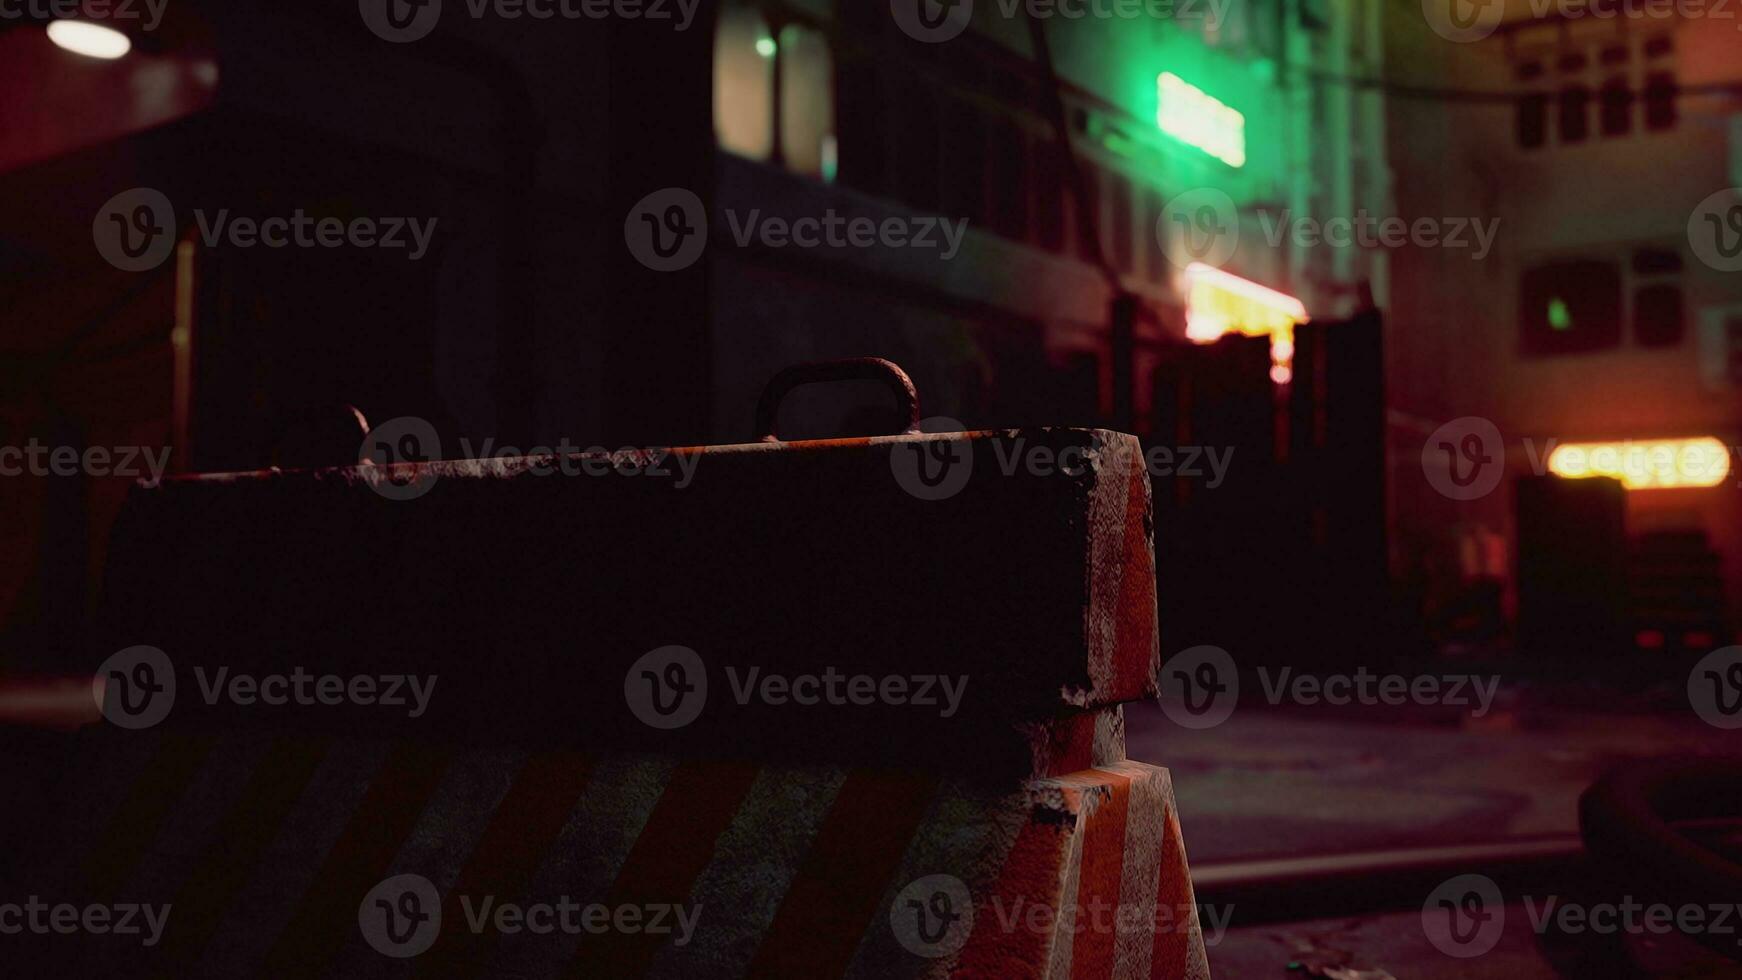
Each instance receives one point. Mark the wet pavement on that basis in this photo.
(1293, 782)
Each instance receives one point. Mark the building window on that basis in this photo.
(1569, 307)
(1120, 204)
(1007, 179)
(744, 84)
(1575, 113)
(1657, 316)
(1660, 100)
(1155, 264)
(1532, 120)
(807, 102)
(1617, 107)
(1088, 210)
(916, 149)
(964, 158)
(1049, 197)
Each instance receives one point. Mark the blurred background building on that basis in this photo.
(1083, 153)
(1593, 335)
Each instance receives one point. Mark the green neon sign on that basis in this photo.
(1194, 117)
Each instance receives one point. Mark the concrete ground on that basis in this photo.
(1291, 782)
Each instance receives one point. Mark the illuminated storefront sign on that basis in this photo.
(1218, 302)
(1194, 117)
(1646, 464)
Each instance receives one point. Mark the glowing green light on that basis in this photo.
(1559, 317)
(1196, 118)
(766, 47)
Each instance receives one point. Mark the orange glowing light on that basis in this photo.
(1219, 303)
(1649, 464)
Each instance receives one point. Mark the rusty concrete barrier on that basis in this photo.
(533, 816)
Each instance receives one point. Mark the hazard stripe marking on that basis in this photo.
(287, 867)
(673, 849)
(1103, 869)
(326, 918)
(1145, 820)
(1030, 876)
(526, 823)
(1136, 643)
(589, 852)
(139, 818)
(758, 856)
(835, 894)
(1175, 948)
(234, 847)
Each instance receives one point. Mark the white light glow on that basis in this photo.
(90, 40)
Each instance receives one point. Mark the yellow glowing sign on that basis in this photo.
(1648, 464)
(1218, 302)
(1195, 117)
